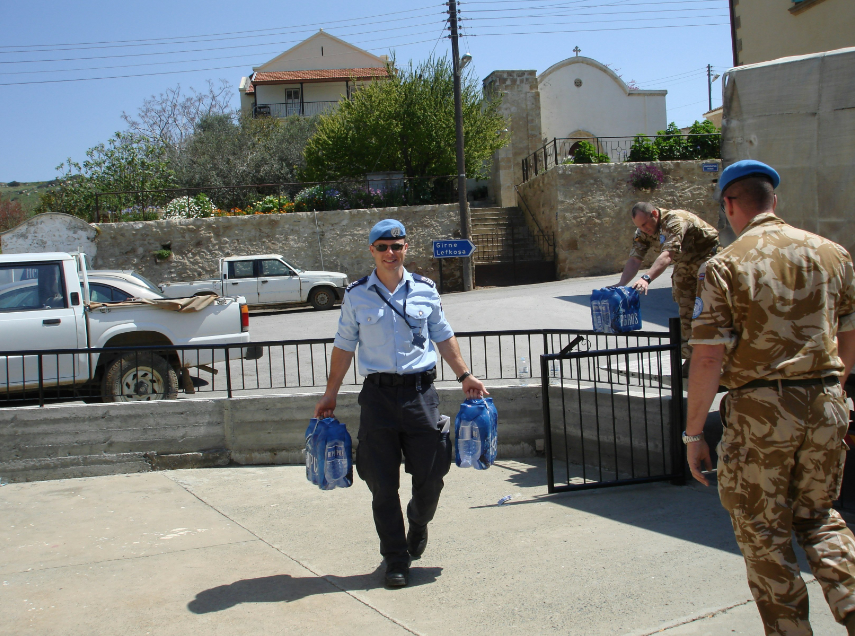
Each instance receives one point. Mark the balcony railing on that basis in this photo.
(287, 109)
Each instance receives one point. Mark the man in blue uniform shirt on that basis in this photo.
(395, 318)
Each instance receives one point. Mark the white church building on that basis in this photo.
(574, 100)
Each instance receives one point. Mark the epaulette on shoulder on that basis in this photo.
(356, 283)
(422, 279)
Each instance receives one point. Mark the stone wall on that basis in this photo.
(521, 107)
(588, 206)
(52, 232)
(336, 241)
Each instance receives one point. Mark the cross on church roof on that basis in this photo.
(577, 50)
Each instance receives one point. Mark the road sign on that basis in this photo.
(710, 167)
(453, 248)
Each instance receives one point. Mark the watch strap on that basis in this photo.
(645, 277)
(688, 439)
(463, 376)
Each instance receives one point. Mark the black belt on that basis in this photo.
(395, 379)
(828, 380)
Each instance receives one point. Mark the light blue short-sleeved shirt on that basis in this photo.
(385, 339)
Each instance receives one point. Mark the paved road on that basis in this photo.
(558, 305)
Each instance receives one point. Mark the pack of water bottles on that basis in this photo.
(615, 309)
(329, 462)
(476, 432)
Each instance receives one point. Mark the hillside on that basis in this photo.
(26, 193)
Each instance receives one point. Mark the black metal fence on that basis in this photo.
(270, 198)
(618, 149)
(273, 367)
(613, 416)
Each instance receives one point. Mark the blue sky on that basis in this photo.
(168, 43)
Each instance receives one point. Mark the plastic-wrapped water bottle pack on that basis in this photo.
(329, 460)
(476, 431)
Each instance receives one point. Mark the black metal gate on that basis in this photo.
(514, 256)
(613, 416)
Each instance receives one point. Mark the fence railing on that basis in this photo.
(271, 198)
(515, 243)
(271, 367)
(613, 416)
(618, 149)
(289, 109)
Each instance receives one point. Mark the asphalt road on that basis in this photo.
(558, 305)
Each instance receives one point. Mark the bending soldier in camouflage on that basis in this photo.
(682, 238)
(775, 324)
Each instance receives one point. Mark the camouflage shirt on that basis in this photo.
(776, 298)
(686, 236)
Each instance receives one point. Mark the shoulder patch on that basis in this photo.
(421, 279)
(702, 271)
(356, 283)
(699, 308)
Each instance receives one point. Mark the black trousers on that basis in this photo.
(396, 420)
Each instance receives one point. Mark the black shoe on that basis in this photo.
(417, 542)
(397, 574)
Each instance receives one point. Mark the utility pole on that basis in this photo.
(458, 125)
(709, 86)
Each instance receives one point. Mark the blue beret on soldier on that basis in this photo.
(747, 168)
(387, 229)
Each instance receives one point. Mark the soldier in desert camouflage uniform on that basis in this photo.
(681, 238)
(775, 324)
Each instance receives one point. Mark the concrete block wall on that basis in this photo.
(588, 206)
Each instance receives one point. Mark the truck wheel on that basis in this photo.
(322, 298)
(139, 376)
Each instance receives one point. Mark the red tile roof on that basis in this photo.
(340, 74)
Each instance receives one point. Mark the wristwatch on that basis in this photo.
(463, 376)
(645, 277)
(688, 439)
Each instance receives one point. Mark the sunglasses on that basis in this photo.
(382, 247)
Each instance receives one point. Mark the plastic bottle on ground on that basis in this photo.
(523, 368)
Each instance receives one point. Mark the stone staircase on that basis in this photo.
(503, 236)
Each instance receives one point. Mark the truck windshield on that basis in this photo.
(294, 267)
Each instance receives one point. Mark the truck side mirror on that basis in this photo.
(75, 299)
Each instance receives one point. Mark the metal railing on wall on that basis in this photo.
(40, 377)
(619, 149)
(268, 198)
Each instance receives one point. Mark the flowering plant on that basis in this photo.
(197, 207)
(647, 177)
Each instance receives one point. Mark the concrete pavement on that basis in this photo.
(257, 550)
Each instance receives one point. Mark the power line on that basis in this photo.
(672, 26)
(609, 13)
(218, 48)
(593, 6)
(500, 26)
(254, 32)
(196, 70)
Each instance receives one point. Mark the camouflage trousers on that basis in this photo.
(780, 465)
(684, 289)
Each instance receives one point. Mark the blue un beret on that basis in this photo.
(747, 168)
(387, 229)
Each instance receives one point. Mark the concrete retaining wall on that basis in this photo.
(65, 441)
(588, 206)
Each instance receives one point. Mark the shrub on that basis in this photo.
(271, 204)
(163, 254)
(642, 149)
(197, 207)
(587, 153)
(13, 184)
(669, 144)
(11, 214)
(703, 147)
(319, 197)
(647, 177)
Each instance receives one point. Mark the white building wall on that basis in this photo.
(603, 105)
(321, 51)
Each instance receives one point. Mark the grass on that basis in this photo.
(27, 193)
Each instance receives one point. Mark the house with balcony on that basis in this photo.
(309, 78)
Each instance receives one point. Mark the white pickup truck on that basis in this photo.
(45, 306)
(266, 279)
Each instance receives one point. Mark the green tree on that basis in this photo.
(586, 152)
(669, 144)
(642, 149)
(128, 161)
(406, 123)
(706, 147)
